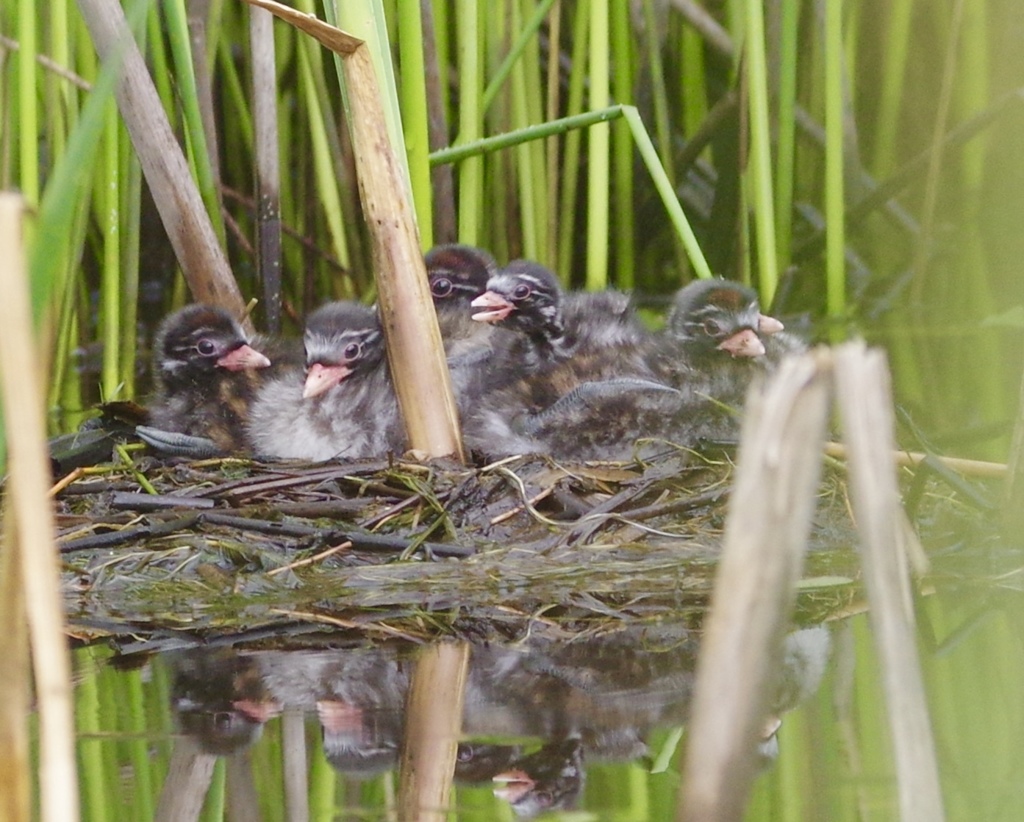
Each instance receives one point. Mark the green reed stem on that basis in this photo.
(195, 136)
(461, 153)
(502, 72)
(530, 210)
(760, 150)
(68, 182)
(624, 226)
(894, 92)
(659, 97)
(667, 191)
(644, 146)
(571, 164)
(835, 241)
(235, 99)
(599, 140)
(157, 57)
(366, 19)
(785, 161)
(414, 115)
(132, 696)
(536, 112)
(694, 103)
(28, 113)
(131, 245)
(94, 785)
(109, 181)
(470, 118)
(323, 167)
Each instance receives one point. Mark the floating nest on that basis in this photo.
(394, 548)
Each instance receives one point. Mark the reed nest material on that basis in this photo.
(390, 548)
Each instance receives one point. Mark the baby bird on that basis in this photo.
(206, 373)
(585, 388)
(715, 343)
(458, 274)
(525, 297)
(346, 406)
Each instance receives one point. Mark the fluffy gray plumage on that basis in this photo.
(575, 381)
(358, 417)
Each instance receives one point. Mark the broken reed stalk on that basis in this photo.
(415, 351)
(865, 405)
(433, 724)
(27, 488)
(755, 586)
(174, 191)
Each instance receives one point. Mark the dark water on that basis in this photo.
(598, 724)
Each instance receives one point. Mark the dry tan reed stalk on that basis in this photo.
(15, 773)
(175, 193)
(755, 586)
(865, 405)
(27, 489)
(415, 351)
(189, 775)
(911, 459)
(432, 727)
(295, 761)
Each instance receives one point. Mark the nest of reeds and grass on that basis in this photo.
(396, 547)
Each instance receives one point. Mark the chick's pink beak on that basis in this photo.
(743, 343)
(499, 307)
(768, 325)
(512, 785)
(243, 357)
(320, 378)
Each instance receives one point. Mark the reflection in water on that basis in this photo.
(584, 702)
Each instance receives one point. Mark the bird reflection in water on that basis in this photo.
(584, 702)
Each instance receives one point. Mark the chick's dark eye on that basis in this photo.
(441, 287)
(521, 292)
(712, 327)
(206, 348)
(351, 351)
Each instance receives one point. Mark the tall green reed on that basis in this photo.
(581, 200)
